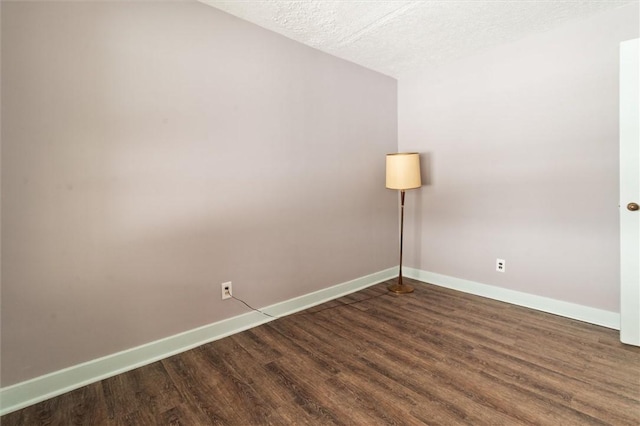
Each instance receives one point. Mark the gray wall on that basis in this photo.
(521, 147)
(153, 150)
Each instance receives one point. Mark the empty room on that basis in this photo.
(320, 212)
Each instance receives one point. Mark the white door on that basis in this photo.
(629, 194)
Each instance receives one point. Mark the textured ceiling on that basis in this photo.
(397, 37)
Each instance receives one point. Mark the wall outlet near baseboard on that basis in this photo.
(227, 290)
(501, 265)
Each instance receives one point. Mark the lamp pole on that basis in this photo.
(399, 287)
(401, 235)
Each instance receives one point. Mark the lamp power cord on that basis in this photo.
(308, 313)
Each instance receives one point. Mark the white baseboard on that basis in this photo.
(32, 391)
(544, 304)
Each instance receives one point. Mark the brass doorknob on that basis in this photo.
(633, 207)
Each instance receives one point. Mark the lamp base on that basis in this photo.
(400, 288)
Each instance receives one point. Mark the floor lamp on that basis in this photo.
(403, 172)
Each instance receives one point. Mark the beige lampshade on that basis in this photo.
(403, 170)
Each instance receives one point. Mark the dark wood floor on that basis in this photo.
(432, 357)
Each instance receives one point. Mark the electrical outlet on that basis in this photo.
(501, 265)
(227, 290)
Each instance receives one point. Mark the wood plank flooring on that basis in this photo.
(435, 357)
